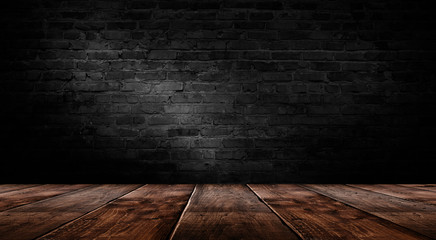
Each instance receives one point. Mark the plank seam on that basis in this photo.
(417, 188)
(349, 205)
(284, 221)
(35, 185)
(89, 212)
(46, 199)
(388, 195)
(176, 226)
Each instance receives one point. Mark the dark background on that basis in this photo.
(217, 91)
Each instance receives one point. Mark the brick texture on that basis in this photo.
(217, 91)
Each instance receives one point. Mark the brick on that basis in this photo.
(271, 5)
(143, 4)
(325, 66)
(133, 55)
(150, 76)
(277, 77)
(154, 155)
(92, 65)
(214, 76)
(57, 75)
(178, 109)
(243, 45)
(135, 15)
(261, 16)
(112, 55)
(312, 77)
(246, 99)
(149, 108)
(136, 87)
(216, 131)
(359, 67)
(216, 109)
(186, 98)
(237, 143)
(105, 143)
(162, 55)
(116, 35)
(206, 143)
(228, 120)
(120, 25)
(323, 110)
(186, 155)
(141, 143)
(183, 132)
(215, 98)
(121, 75)
(317, 56)
(162, 120)
(200, 87)
(168, 86)
(182, 76)
(285, 55)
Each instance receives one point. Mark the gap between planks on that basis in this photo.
(284, 221)
(173, 232)
(89, 212)
(380, 214)
(28, 200)
(15, 187)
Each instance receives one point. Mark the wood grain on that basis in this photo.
(28, 195)
(399, 191)
(314, 216)
(12, 187)
(229, 212)
(149, 212)
(33, 220)
(427, 187)
(419, 217)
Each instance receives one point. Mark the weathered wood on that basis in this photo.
(427, 187)
(28, 195)
(149, 212)
(13, 187)
(314, 216)
(33, 220)
(399, 191)
(419, 217)
(229, 212)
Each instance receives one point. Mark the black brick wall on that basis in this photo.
(218, 91)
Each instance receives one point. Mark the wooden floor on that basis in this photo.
(210, 211)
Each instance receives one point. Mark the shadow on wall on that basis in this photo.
(217, 91)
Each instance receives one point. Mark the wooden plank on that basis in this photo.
(427, 187)
(314, 216)
(412, 194)
(419, 217)
(33, 220)
(28, 195)
(149, 212)
(229, 212)
(12, 187)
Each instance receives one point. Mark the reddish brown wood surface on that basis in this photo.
(229, 212)
(427, 187)
(33, 220)
(416, 216)
(412, 194)
(28, 195)
(314, 216)
(12, 187)
(149, 212)
(218, 212)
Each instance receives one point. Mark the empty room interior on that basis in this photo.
(217, 119)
